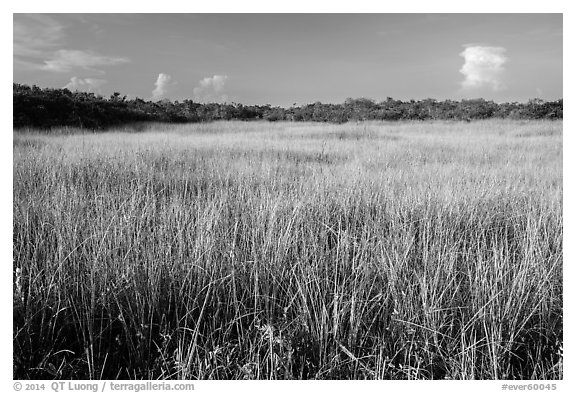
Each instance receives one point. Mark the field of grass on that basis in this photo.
(290, 251)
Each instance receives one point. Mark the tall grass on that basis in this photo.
(290, 251)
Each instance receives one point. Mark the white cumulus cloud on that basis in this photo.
(483, 67)
(91, 85)
(211, 89)
(162, 84)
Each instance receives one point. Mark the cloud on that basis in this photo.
(39, 42)
(483, 66)
(34, 34)
(91, 85)
(65, 60)
(211, 89)
(161, 84)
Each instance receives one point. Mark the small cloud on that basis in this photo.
(161, 84)
(91, 85)
(211, 89)
(539, 92)
(483, 66)
(65, 60)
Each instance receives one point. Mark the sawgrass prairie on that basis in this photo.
(256, 250)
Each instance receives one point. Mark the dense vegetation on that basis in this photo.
(290, 250)
(46, 108)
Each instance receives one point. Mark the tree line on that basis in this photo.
(47, 107)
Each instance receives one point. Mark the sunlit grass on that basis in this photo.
(259, 250)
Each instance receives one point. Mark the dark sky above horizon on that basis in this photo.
(283, 59)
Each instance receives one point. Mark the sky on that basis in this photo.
(285, 59)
